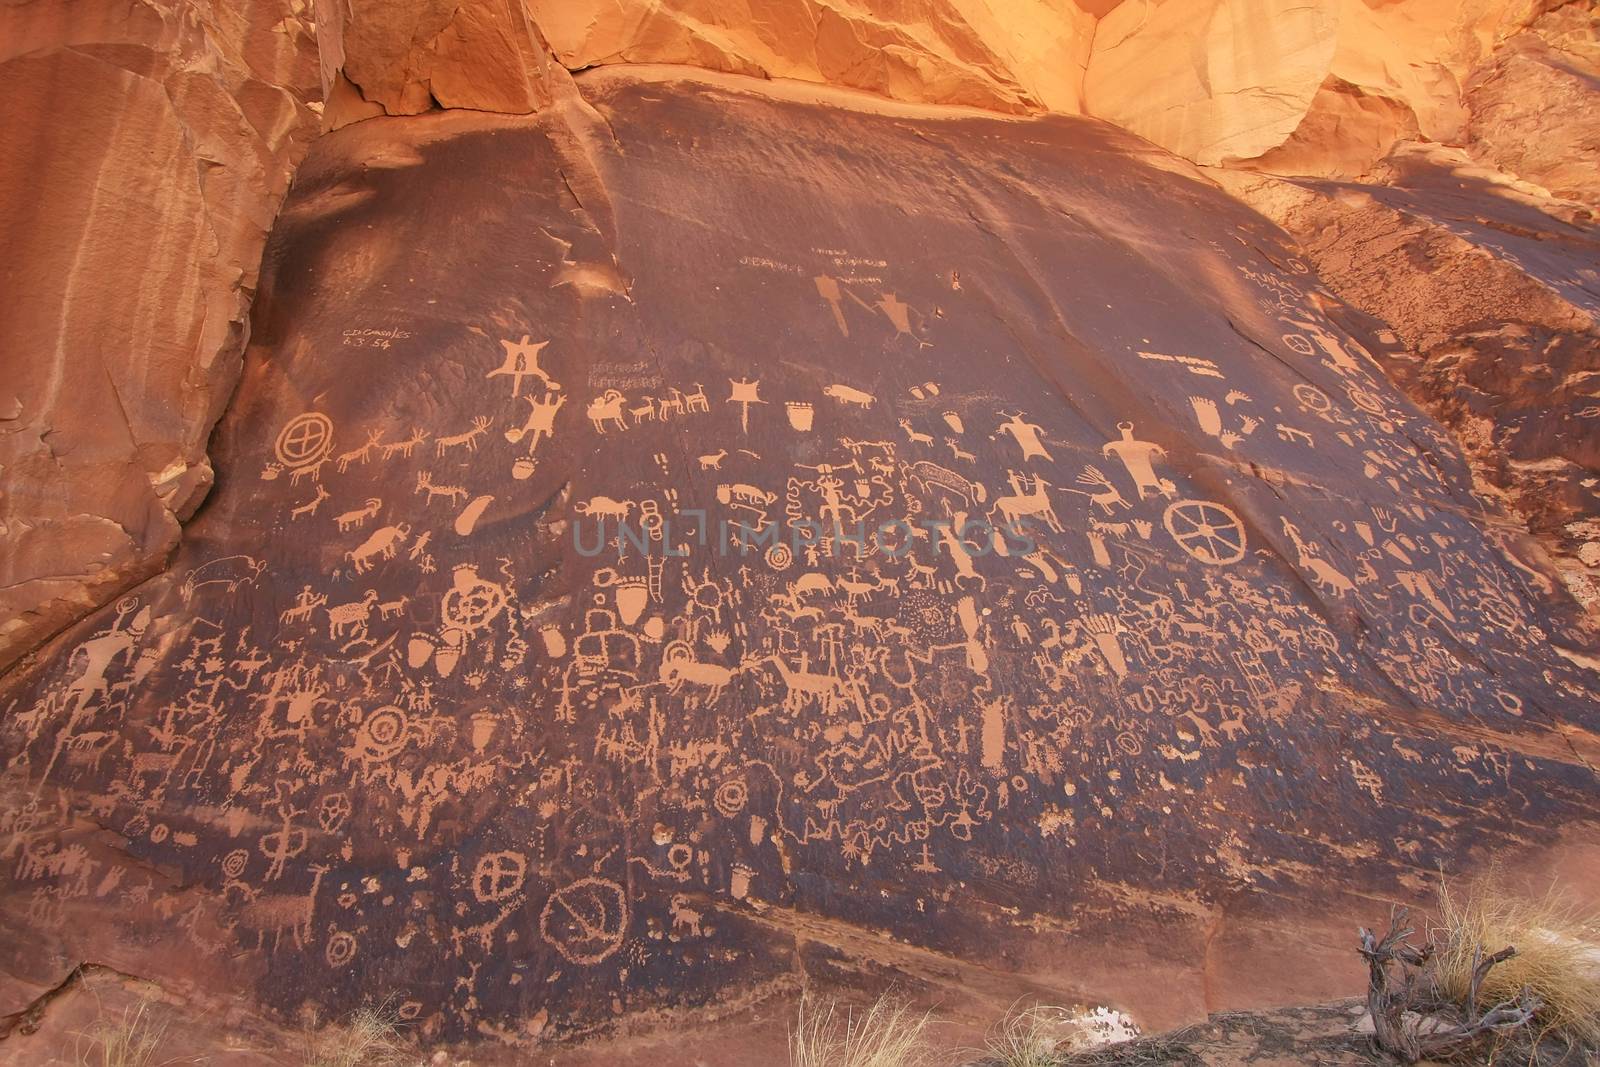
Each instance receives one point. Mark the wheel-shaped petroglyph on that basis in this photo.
(585, 921)
(305, 440)
(498, 875)
(1208, 531)
(1366, 400)
(1300, 343)
(731, 797)
(1312, 399)
(472, 602)
(341, 949)
(382, 735)
(234, 863)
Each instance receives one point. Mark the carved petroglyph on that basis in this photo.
(522, 361)
(585, 920)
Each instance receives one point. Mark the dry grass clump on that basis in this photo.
(888, 1034)
(1557, 957)
(368, 1038)
(1029, 1038)
(129, 1041)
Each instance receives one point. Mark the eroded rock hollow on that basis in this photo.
(698, 536)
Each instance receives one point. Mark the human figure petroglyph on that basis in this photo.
(900, 683)
(101, 652)
(541, 420)
(1137, 458)
(305, 604)
(1030, 498)
(286, 841)
(1027, 435)
(522, 361)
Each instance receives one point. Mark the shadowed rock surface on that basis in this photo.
(401, 719)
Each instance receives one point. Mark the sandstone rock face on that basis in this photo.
(147, 149)
(667, 549)
(384, 58)
(1003, 55)
(1211, 80)
(1535, 108)
(1494, 306)
(1325, 88)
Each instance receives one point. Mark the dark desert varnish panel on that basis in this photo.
(645, 556)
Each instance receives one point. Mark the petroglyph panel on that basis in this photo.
(967, 532)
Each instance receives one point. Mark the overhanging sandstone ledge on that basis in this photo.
(385, 725)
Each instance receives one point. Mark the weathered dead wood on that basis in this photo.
(1402, 1000)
